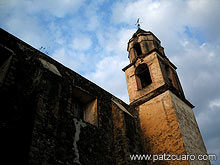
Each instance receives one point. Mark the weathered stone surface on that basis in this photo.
(168, 125)
(160, 126)
(52, 115)
(189, 129)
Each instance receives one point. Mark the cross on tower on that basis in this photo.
(138, 23)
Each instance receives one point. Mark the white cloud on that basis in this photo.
(54, 7)
(88, 42)
(109, 75)
(93, 16)
(108, 71)
(167, 17)
(205, 14)
(63, 57)
(28, 29)
(81, 43)
(93, 22)
(71, 59)
(115, 40)
(214, 103)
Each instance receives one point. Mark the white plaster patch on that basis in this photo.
(78, 125)
(50, 67)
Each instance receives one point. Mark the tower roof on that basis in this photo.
(141, 31)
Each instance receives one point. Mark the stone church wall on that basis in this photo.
(43, 105)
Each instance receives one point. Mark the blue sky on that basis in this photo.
(91, 38)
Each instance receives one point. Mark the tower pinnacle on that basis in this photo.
(138, 23)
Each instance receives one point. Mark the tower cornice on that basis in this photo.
(157, 92)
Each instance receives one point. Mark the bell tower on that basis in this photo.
(167, 121)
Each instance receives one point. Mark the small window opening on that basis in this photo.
(90, 112)
(84, 106)
(137, 49)
(143, 76)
